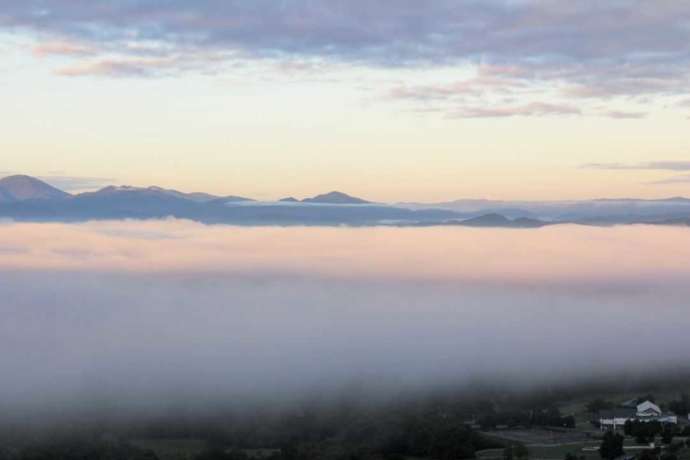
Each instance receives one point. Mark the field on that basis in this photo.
(542, 436)
(546, 444)
(555, 452)
(550, 445)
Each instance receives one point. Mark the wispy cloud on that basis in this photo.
(116, 68)
(621, 115)
(488, 79)
(76, 183)
(62, 48)
(490, 93)
(680, 179)
(646, 166)
(534, 109)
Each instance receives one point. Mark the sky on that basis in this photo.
(161, 314)
(394, 100)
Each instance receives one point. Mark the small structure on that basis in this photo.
(645, 411)
(648, 409)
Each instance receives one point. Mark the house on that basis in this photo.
(648, 409)
(615, 418)
(645, 411)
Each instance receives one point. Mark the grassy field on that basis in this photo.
(555, 452)
(541, 446)
(541, 436)
(558, 452)
(586, 449)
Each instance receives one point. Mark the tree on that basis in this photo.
(641, 439)
(675, 447)
(598, 405)
(569, 421)
(647, 454)
(520, 451)
(221, 454)
(667, 435)
(516, 451)
(680, 406)
(611, 446)
(628, 428)
(451, 442)
(644, 431)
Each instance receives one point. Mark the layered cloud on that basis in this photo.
(677, 166)
(386, 32)
(680, 179)
(578, 51)
(646, 166)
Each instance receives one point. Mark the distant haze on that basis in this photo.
(28, 199)
(147, 313)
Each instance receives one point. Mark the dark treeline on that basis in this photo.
(336, 434)
(442, 424)
(539, 416)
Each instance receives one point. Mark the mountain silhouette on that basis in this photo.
(335, 198)
(20, 188)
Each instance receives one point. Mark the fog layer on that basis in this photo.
(142, 313)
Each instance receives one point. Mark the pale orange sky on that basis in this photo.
(237, 116)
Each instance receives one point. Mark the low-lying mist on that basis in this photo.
(150, 315)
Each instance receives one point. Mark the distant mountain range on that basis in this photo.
(26, 198)
(596, 212)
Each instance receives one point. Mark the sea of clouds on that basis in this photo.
(145, 313)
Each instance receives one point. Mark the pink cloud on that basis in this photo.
(60, 48)
(621, 115)
(448, 253)
(534, 109)
(116, 68)
(489, 79)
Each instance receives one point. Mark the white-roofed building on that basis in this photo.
(645, 411)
